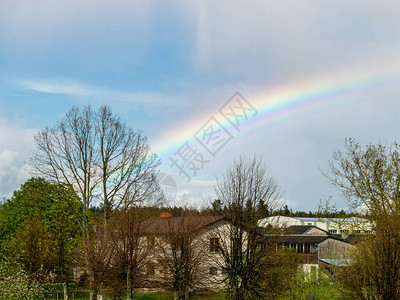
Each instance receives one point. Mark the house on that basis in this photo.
(196, 241)
(177, 241)
(343, 226)
(316, 247)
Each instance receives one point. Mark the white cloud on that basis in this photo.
(199, 190)
(58, 88)
(79, 90)
(16, 144)
(261, 39)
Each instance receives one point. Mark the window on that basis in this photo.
(213, 271)
(332, 231)
(214, 245)
(300, 248)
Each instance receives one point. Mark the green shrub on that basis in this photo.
(314, 285)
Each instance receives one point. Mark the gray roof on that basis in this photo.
(342, 262)
(293, 239)
(355, 238)
(302, 229)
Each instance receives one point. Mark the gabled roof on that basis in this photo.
(303, 229)
(181, 225)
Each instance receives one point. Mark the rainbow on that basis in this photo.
(295, 98)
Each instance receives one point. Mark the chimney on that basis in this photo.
(165, 215)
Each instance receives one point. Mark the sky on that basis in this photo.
(207, 82)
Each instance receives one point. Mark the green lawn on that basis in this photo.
(211, 296)
(144, 296)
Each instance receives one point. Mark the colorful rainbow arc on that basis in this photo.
(284, 102)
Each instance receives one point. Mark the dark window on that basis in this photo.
(213, 271)
(214, 245)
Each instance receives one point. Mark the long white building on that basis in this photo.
(332, 225)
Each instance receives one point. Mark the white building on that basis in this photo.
(351, 225)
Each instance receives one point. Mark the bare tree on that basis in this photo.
(97, 154)
(126, 164)
(100, 157)
(370, 180)
(242, 189)
(66, 153)
(130, 250)
(99, 256)
(183, 254)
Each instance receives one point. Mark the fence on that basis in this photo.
(72, 295)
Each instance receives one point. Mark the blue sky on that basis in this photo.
(161, 66)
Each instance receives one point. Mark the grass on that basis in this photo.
(151, 296)
(146, 296)
(323, 293)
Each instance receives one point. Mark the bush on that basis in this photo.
(16, 284)
(314, 285)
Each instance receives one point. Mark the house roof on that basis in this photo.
(341, 262)
(187, 224)
(293, 239)
(298, 229)
(355, 238)
(302, 229)
(336, 236)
